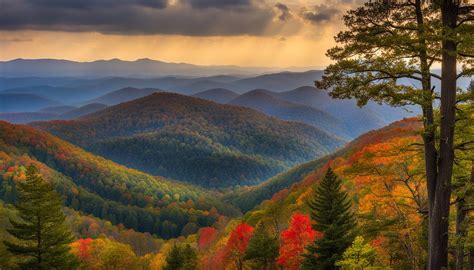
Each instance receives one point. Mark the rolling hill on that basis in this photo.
(24, 102)
(82, 111)
(123, 95)
(96, 186)
(269, 103)
(219, 95)
(195, 140)
(357, 120)
(278, 82)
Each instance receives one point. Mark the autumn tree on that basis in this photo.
(237, 244)
(43, 237)
(390, 182)
(262, 249)
(358, 256)
(294, 240)
(331, 211)
(206, 236)
(104, 253)
(390, 43)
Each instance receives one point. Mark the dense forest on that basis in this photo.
(195, 140)
(104, 189)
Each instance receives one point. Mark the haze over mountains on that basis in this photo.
(115, 67)
(52, 113)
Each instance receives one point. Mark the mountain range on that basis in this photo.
(115, 67)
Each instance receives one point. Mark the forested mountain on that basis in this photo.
(219, 95)
(123, 95)
(94, 185)
(249, 197)
(269, 103)
(24, 102)
(195, 140)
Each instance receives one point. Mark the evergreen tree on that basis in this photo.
(262, 249)
(181, 258)
(42, 237)
(331, 212)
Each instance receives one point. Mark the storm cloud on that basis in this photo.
(320, 13)
(218, 4)
(144, 17)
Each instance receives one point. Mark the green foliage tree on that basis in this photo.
(333, 217)
(181, 258)
(42, 236)
(262, 249)
(359, 256)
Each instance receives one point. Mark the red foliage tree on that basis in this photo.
(206, 236)
(237, 244)
(294, 241)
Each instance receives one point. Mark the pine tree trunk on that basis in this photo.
(460, 234)
(427, 108)
(439, 220)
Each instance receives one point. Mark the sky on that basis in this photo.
(264, 33)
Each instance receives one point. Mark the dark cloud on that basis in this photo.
(90, 4)
(283, 12)
(187, 17)
(320, 13)
(219, 4)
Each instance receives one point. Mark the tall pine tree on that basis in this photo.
(262, 249)
(42, 237)
(331, 212)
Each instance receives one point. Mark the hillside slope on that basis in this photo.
(248, 198)
(124, 95)
(100, 187)
(195, 140)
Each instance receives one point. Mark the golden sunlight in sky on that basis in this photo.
(291, 33)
